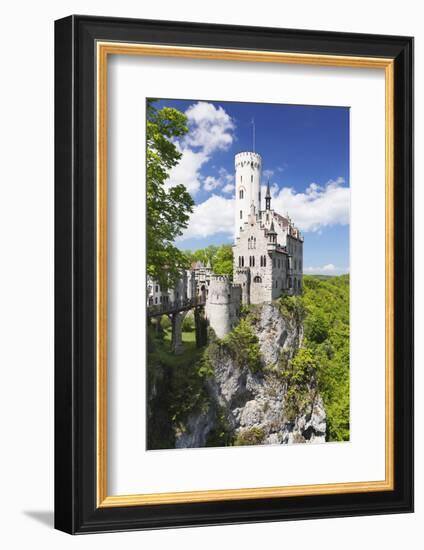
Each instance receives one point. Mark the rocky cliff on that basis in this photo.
(256, 402)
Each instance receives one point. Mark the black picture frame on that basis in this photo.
(76, 510)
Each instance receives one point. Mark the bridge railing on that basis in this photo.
(175, 306)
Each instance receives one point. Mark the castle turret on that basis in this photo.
(248, 168)
(222, 304)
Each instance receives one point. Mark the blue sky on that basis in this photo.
(305, 155)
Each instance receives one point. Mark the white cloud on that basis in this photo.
(211, 183)
(318, 207)
(328, 269)
(215, 215)
(267, 174)
(224, 180)
(187, 171)
(211, 129)
(229, 188)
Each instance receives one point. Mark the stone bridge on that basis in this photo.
(177, 311)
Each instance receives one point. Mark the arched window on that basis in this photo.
(242, 261)
(253, 261)
(264, 261)
(241, 179)
(241, 214)
(257, 279)
(251, 178)
(241, 194)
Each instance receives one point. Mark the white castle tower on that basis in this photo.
(248, 167)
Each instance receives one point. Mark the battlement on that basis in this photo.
(247, 157)
(220, 278)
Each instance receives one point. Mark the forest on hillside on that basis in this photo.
(324, 306)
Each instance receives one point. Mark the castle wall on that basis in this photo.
(295, 249)
(223, 304)
(253, 243)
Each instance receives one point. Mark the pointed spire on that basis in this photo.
(268, 192)
(268, 198)
(272, 228)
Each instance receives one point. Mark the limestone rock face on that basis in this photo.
(276, 334)
(197, 429)
(253, 403)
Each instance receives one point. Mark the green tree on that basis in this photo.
(203, 255)
(168, 208)
(222, 262)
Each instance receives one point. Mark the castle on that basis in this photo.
(267, 252)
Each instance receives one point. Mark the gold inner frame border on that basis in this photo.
(103, 50)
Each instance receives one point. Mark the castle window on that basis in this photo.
(273, 262)
(253, 261)
(257, 279)
(156, 300)
(241, 194)
(254, 242)
(259, 197)
(241, 214)
(242, 261)
(251, 178)
(279, 265)
(241, 179)
(240, 229)
(264, 261)
(156, 288)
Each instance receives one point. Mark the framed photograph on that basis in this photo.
(234, 274)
